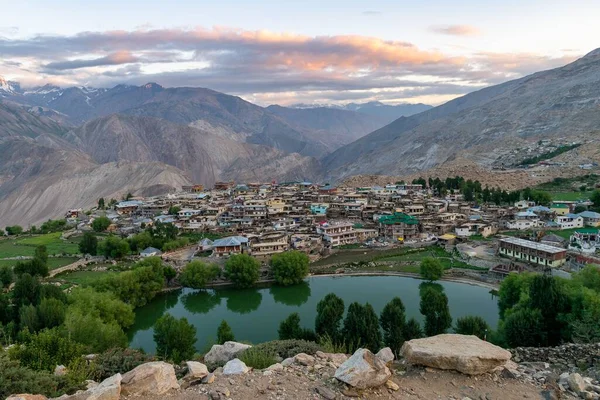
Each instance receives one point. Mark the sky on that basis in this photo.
(287, 52)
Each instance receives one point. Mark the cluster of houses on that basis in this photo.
(265, 219)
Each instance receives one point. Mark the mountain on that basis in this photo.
(330, 127)
(315, 134)
(483, 126)
(383, 112)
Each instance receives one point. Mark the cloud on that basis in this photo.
(371, 13)
(456, 30)
(263, 64)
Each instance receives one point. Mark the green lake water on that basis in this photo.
(254, 314)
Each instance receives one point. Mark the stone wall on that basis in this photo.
(568, 355)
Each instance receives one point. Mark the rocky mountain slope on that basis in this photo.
(562, 102)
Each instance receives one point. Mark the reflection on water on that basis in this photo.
(254, 314)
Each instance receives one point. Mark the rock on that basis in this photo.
(304, 359)
(60, 370)
(151, 378)
(392, 385)
(386, 355)
(287, 362)
(576, 383)
(26, 397)
(109, 389)
(210, 378)
(235, 367)
(326, 393)
(363, 370)
(89, 384)
(467, 354)
(275, 367)
(196, 372)
(221, 353)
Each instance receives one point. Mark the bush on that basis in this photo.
(472, 325)
(175, 338)
(524, 328)
(289, 348)
(113, 247)
(100, 224)
(197, 274)
(242, 270)
(93, 332)
(15, 378)
(289, 268)
(290, 328)
(14, 230)
(258, 358)
(224, 333)
(431, 269)
(118, 360)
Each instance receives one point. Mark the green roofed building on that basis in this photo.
(398, 226)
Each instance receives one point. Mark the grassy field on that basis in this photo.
(563, 233)
(570, 196)
(25, 245)
(53, 262)
(84, 278)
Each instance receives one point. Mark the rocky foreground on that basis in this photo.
(442, 367)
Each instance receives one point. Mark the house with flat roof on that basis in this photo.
(569, 221)
(560, 208)
(590, 218)
(532, 252)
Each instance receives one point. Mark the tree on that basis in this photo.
(100, 224)
(91, 331)
(27, 291)
(6, 275)
(595, 198)
(393, 322)
(174, 210)
(14, 230)
(101, 204)
(51, 313)
(431, 269)
(103, 305)
(33, 267)
(289, 268)
(361, 327)
(169, 273)
(113, 247)
(330, 311)
(89, 244)
(290, 328)
(434, 306)
(472, 325)
(224, 333)
(541, 197)
(29, 319)
(175, 338)
(413, 330)
(242, 270)
(549, 295)
(525, 328)
(589, 277)
(41, 254)
(197, 274)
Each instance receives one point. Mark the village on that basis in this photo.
(263, 219)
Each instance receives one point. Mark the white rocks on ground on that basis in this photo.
(467, 354)
(221, 353)
(196, 372)
(386, 355)
(363, 370)
(109, 389)
(151, 378)
(60, 370)
(235, 367)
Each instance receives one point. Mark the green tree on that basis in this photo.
(5, 311)
(6, 275)
(103, 305)
(197, 274)
(28, 318)
(51, 313)
(92, 332)
(549, 295)
(136, 287)
(431, 269)
(113, 247)
(330, 311)
(224, 333)
(174, 210)
(588, 277)
(101, 204)
(14, 230)
(361, 327)
(242, 270)
(512, 289)
(290, 328)
(413, 330)
(88, 244)
(434, 306)
(142, 241)
(472, 325)
(27, 291)
(100, 224)
(541, 197)
(32, 267)
(393, 323)
(45, 350)
(595, 199)
(41, 254)
(170, 273)
(524, 327)
(175, 338)
(289, 268)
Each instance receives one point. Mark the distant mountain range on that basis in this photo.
(63, 148)
(377, 109)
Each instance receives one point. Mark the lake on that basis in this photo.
(254, 314)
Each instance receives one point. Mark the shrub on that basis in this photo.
(100, 224)
(290, 328)
(175, 338)
(224, 333)
(289, 268)
(289, 348)
(118, 360)
(524, 328)
(15, 378)
(197, 274)
(472, 325)
(331, 346)
(258, 358)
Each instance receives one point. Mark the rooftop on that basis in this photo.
(398, 218)
(533, 245)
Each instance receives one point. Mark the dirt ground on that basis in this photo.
(299, 383)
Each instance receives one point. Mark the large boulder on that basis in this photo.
(363, 370)
(386, 355)
(109, 389)
(235, 367)
(221, 353)
(196, 372)
(151, 378)
(467, 354)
